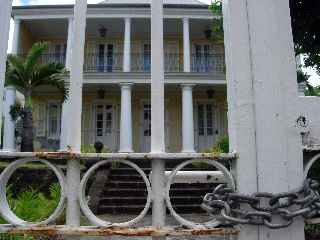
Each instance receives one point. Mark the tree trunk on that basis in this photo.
(27, 131)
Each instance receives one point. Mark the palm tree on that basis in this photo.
(26, 75)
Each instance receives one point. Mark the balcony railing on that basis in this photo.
(110, 63)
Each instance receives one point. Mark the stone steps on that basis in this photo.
(125, 191)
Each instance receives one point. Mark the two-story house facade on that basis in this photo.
(116, 81)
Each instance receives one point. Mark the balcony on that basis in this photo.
(141, 63)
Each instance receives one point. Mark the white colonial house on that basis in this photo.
(116, 108)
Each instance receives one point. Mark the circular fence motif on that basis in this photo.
(5, 210)
(84, 204)
(212, 223)
(309, 165)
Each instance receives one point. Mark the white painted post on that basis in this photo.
(157, 78)
(75, 110)
(262, 97)
(157, 115)
(5, 14)
(187, 119)
(65, 116)
(186, 45)
(16, 36)
(9, 124)
(127, 45)
(126, 119)
(69, 43)
(76, 76)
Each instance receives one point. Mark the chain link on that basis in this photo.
(271, 210)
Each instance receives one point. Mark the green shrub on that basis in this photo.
(222, 146)
(89, 148)
(32, 205)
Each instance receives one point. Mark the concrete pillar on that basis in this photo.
(69, 43)
(127, 45)
(73, 138)
(126, 119)
(157, 115)
(16, 36)
(186, 45)
(157, 78)
(262, 100)
(187, 119)
(9, 124)
(5, 15)
(65, 116)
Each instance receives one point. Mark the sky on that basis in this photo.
(314, 79)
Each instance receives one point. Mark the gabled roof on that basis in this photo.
(168, 2)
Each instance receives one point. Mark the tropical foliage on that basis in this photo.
(32, 205)
(27, 74)
(217, 23)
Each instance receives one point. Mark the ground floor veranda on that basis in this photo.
(195, 117)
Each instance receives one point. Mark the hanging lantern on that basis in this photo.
(102, 31)
(208, 33)
(101, 93)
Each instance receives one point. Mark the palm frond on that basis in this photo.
(33, 57)
(15, 73)
(52, 75)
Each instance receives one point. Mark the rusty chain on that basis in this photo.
(271, 210)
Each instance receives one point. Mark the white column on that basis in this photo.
(65, 116)
(5, 14)
(187, 119)
(69, 43)
(127, 45)
(157, 115)
(9, 124)
(262, 99)
(73, 138)
(16, 36)
(186, 45)
(126, 119)
(157, 77)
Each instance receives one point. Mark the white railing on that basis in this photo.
(101, 227)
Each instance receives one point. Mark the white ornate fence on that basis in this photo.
(102, 227)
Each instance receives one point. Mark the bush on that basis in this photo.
(222, 146)
(32, 205)
(89, 148)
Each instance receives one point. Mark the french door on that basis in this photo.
(104, 125)
(145, 136)
(105, 57)
(147, 57)
(201, 57)
(206, 127)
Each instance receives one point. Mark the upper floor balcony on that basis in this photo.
(141, 62)
(117, 45)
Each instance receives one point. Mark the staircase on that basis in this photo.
(124, 191)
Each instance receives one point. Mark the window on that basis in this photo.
(99, 120)
(205, 120)
(109, 119)
(147, 120)
(53, 113)
(40, 123)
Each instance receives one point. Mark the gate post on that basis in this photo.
(5, 14)
(262, 99)
(74, 109)
(157, 115)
